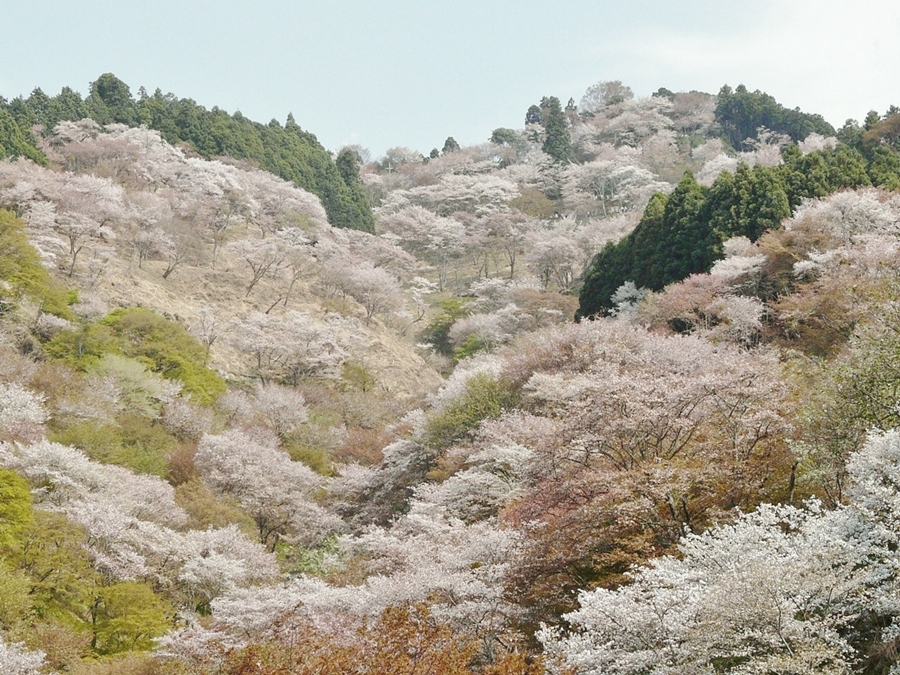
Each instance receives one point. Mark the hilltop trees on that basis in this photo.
(286, 151)
(557, 142)
(604, 94)
(741, 113)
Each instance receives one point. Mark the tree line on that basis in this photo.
(285, 150)
(682, 233)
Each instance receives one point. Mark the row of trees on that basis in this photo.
(682, 233)
(285, 150)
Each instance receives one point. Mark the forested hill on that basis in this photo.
(235, 439)
(285, 150)
(684, 233)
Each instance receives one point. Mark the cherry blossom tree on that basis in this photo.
(292, 346)
(263, 256)
(276, 407)
(16, 659)
(554, 256)
(275, 491)
(643, 437)
(787, 589)
(22, 412)
(477, 195)
(375, 288)
(439, 240)
(606, 187)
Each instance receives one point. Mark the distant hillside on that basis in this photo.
(287, 151)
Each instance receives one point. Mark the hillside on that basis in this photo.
(238, 436)
(285, 150)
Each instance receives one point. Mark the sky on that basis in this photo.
(410, 73)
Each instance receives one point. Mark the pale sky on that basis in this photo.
(386, 73)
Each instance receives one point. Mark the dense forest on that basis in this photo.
(265, 410)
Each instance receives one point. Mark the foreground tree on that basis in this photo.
(781, 590)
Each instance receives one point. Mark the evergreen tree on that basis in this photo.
(110, 100)
(557, 142)
(15, 143)
(288, 151)
(741, 113)
(450, 145)
(721, 202)
(347, 164)
(820, 173)
(762, 201)
(688, 245)
(884, 168)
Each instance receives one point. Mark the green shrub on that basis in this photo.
(135, 442)
(23, 275)
(485, 397)
(168, 349)
(100, 442)
(470, 346)
(164, 347)
(15, 509)
(128, 616)
(316, 458)
(82, 346)
(438, 331)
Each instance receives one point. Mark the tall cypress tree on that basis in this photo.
(762, 201)
(557, 142)
(688, 245)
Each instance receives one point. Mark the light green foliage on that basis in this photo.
(142, 392)
(484, 397)
(314, 561)
(21, 271)
(54, 557)
(316, 458)
(15, 597)
(355, 376)
(438, 331)
(127, 616)
(168, 349)
(81, 346)
(15, 509)
(135, 441)
(100, 442)
(162, 346)
(470, 346)
(210, 509)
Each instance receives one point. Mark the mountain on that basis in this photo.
(236, 437)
